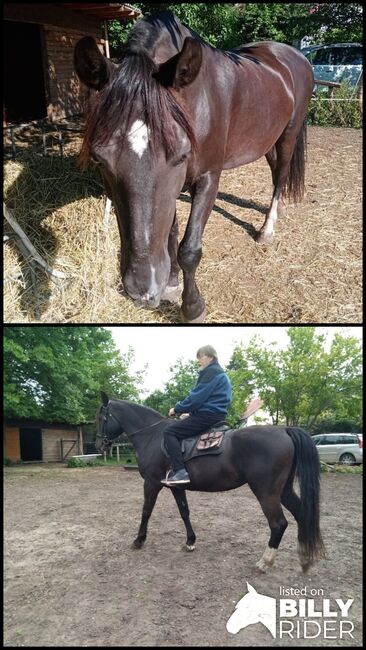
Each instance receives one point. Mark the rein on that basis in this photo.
(106, 413)
(147, 427)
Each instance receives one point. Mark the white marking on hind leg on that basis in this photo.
(266, 234)
(267, 559)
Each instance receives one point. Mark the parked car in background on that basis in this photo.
(345, 448)
(336, 62)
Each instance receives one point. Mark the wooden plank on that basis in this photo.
(12, 443)
(32, 251)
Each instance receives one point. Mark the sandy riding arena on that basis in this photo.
(312, 272)
(72, 578)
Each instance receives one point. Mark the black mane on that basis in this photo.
(134, 84)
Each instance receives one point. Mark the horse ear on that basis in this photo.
(251, 589)
(105, 398)
(92, 68)
(182, 68)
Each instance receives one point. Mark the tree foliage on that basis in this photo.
(56, 373)
(228, 25)
(183, 377)
(305, 381)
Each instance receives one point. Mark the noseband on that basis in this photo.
(104, 410)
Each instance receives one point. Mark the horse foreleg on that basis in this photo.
(181, 500)
(173, 291)
(151, 491)
(203, 194)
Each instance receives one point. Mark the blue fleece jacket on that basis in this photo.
(214, 395)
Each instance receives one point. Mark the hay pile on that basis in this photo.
(312, 273)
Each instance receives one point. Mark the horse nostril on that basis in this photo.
(147, 300)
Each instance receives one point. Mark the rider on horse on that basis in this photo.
(206, 404)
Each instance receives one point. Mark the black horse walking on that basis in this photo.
(266, 457)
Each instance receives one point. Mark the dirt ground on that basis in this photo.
(72, 578)
(311, 273)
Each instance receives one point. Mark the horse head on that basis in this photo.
(139, 134)
(108, 427)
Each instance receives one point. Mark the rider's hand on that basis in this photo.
(183, 416)
(171, 412)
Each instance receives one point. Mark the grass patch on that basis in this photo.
(341, 469)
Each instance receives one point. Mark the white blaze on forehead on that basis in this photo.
(138, 137)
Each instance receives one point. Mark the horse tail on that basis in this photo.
(295, 185)
(306, 468)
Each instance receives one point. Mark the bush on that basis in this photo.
(76, 462)
(324, 112)
(341, 469)
(8, 462)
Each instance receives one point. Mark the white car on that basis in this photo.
(345, 448)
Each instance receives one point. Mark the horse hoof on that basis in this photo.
(264, 238)
(305, 567)
(137, 544)
(172, 294)
(198, 319)
(262, 566)
(190, 548)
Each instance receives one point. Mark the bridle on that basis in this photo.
(105, 413)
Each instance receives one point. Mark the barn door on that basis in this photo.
(24, 84)
(30, 444)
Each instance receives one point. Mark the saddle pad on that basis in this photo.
(190, 449)
(210, 439)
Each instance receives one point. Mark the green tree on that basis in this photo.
(183, 377)
(241, 377)
(334, 22)
(305, 381)
(56, 373)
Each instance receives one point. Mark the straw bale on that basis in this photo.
(312, 272)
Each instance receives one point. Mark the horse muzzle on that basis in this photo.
(147, 300)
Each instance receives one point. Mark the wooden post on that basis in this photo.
(117, 453)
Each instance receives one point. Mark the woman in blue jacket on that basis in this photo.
(206, 404)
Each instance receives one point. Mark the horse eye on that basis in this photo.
(180, 160)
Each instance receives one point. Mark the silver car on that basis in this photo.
(345, 448)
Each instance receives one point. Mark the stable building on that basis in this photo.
(39, 39)
(40, 441)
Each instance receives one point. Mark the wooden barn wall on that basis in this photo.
(12, 443)
(60, 32)
(51, 445)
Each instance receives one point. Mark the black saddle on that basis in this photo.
(209, 442)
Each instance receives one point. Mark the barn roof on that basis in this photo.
(104, 10)
(254, 406)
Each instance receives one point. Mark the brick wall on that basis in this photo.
(65, 95)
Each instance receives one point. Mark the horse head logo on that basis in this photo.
(253, 608)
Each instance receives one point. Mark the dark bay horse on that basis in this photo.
(173, 114)
(266, 457)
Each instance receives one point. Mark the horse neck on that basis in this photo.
(136, 421)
